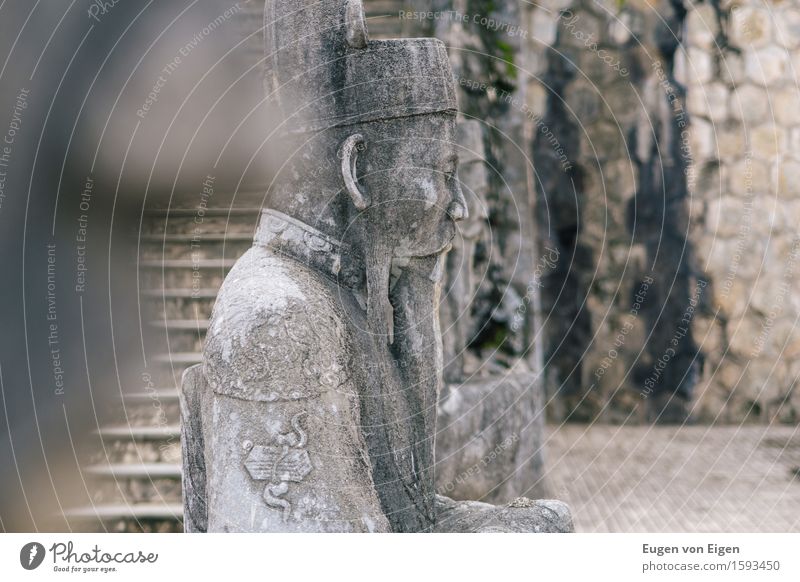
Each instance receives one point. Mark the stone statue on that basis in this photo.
(462, 278)
(489, 430)
(314, 408)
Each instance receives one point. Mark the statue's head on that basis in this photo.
(401, 180)
(371, 131)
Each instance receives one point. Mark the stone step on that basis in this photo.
(151, 412)
(384, 27)
(383, 6)
(183, 335)
(207, 211)
(140, 433)
(136, 471)
(108, 491)
(197, 325)
(217, 263)
(162, 394)
(185, 341)
(135, 483)
(184, 273)
(185, 293)
(177, 359)
(178, 308)
(194, 250)
(189, 221)
(119, 448)
(383, 19)
(185, 226)
(177, 212)
(159, 511)
(183, 238)
(173, 304)
(151, 409)
(168, 367)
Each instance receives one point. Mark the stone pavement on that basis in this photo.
(677, 479)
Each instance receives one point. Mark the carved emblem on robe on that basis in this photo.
(283, 461)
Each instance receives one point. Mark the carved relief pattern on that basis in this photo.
(282, 462)
(287, 355)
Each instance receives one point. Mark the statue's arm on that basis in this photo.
(195, 515)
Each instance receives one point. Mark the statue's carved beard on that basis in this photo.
(380, 319)
(400, 403)
(382, 271)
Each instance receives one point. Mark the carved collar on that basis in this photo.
(304, 243)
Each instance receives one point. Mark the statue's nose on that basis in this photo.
(458, 205)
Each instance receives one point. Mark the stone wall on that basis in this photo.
(612, 208)
(674, 295)
(741, 72)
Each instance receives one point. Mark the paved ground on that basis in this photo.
(677, 479)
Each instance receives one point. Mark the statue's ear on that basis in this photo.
(348, 153)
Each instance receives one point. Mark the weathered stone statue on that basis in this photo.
(462, 277)
(489, 429)
(315, 406)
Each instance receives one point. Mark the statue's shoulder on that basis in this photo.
(277, 332)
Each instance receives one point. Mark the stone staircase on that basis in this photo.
(135, 480)
(383, 19)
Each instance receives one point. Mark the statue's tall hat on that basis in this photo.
(322, 70)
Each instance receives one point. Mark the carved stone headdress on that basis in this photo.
(323, 72)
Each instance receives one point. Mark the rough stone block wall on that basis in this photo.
(612, 206)
(741, 68)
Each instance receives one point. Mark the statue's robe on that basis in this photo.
(272, 426)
